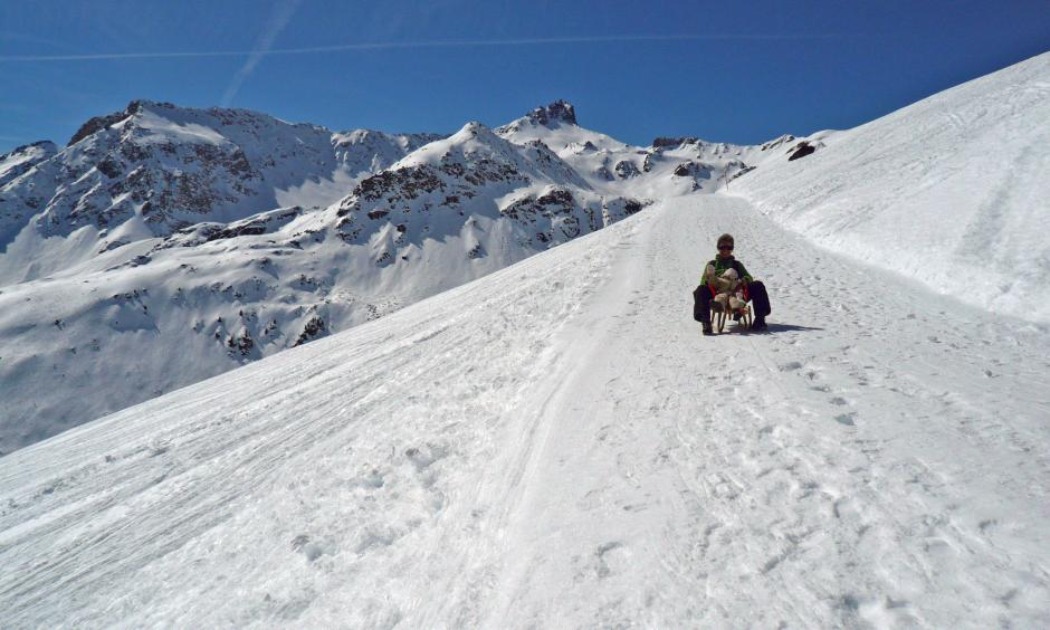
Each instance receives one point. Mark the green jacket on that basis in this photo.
(721, 264)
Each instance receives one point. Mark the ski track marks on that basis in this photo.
(815, 475)
(558, 446)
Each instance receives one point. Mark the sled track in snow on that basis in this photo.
(557, 445)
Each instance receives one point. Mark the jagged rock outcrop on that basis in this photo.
(558, 115)
(556, 112)
(801, 150)
(99, 123)
(626, 169)
(669, 143)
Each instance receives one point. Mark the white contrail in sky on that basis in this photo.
(535, 41)
(279, 18)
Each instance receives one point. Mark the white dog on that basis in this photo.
(729, 289)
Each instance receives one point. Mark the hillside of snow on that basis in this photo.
(952, 191)
(556, 445)
(505, 416)
(166, 245)
(163, 260)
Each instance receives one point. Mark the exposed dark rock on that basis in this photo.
(801, 150)
(558, 111)
(110, 168)
(96, 124)
(529, 209)
(556, 198)
(404, 183)
(632, 206)
(626, 169)
(242, 343)
(670, 143)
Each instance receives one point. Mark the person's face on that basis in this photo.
(725, 250)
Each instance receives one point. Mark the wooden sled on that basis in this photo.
(722, 312)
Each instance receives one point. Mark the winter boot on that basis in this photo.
(759, 323)
(707, 329)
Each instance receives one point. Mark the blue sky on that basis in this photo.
(742, 72)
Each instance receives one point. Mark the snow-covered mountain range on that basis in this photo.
(164, 245)
(555, 444)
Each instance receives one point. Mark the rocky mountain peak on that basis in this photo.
(557, 112)
(98, 123)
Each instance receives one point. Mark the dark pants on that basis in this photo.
(702, 301)
(759, 299)
(702, 304)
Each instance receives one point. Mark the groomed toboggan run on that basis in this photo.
(557, 445)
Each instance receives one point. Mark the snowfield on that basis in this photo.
(555, 444)
(951, 191)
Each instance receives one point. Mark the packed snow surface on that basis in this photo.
(556, 445)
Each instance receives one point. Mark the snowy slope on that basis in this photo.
(951, 191)
(22, 159)
(170, 305)
(555, 445)
(165, 245)
(119, 276)
(13, 167)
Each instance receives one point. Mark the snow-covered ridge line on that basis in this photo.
(950, 191)
(170, 244)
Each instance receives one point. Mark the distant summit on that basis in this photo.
(552, 117)
(98, 123)
(558, 111)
